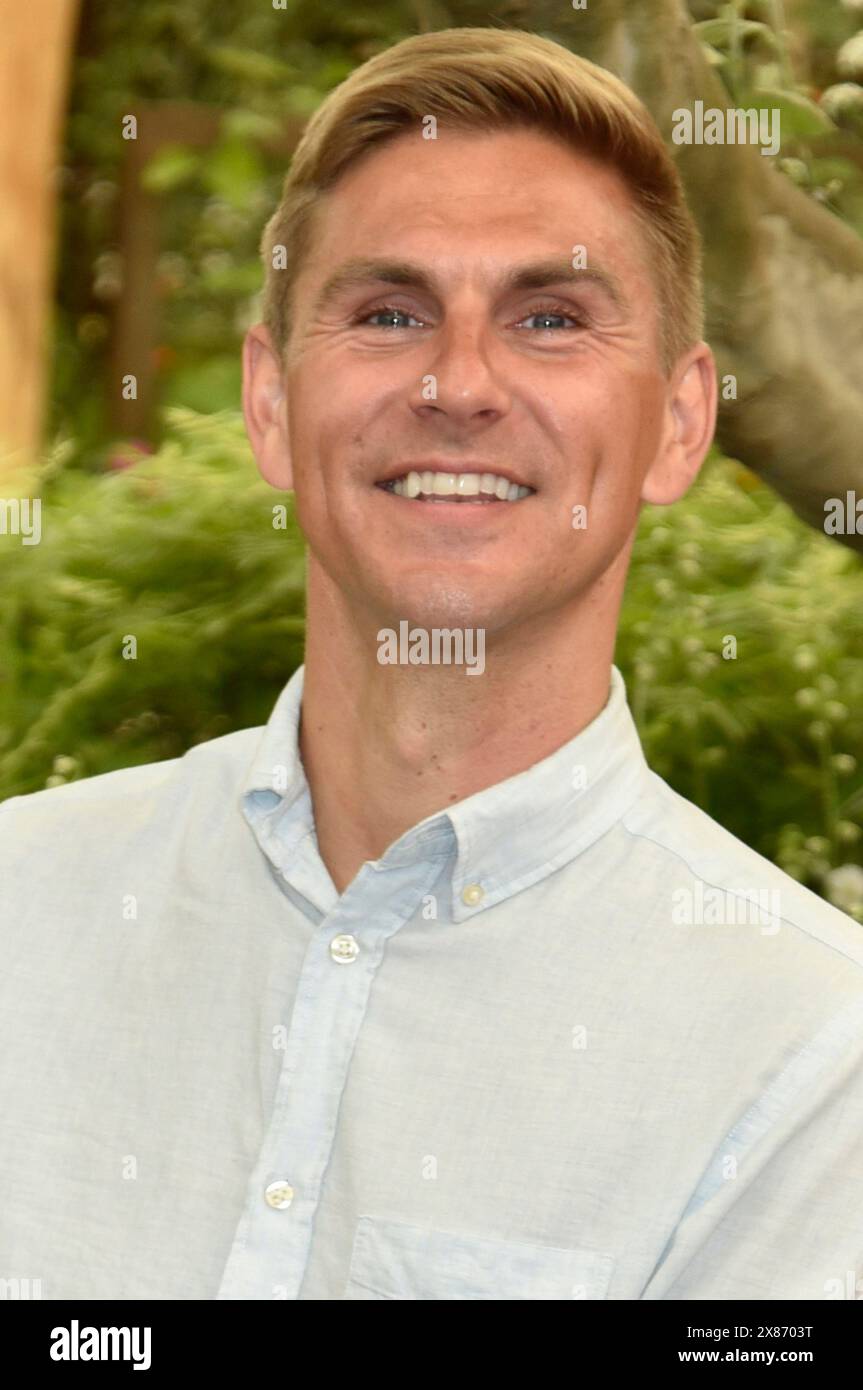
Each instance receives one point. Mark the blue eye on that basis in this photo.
(550, 320)
(392, 318)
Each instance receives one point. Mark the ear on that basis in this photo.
(265, 408)
(690, 422)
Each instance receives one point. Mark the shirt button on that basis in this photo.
(344, 948)
(472, 894)
(279, 1194)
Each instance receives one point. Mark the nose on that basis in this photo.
(462, 382)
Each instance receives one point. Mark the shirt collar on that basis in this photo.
(505, 837)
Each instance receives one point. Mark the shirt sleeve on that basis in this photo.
(778, 1213)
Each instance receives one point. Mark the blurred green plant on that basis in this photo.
(181, 551)
(741, 635)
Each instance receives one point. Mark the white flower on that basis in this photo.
(845, 887)
(849, 59)
(843, 99)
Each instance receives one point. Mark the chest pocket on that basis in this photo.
(393, 1260)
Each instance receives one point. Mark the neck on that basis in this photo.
(384, 746)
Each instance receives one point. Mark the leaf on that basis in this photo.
(247, 62)
(243, 124)
(170, 167)
(303, 100)
(719, 31)
(234, 171)
(713, 55)
(797, 114)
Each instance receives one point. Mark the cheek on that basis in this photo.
(329, 402)
(316, 409)
(630, 426)
(307, 396)
(613, 434)
(647, 397)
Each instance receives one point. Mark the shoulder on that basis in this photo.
(708, 872)
(124, 801)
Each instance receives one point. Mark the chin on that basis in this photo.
(452, 609)
(434, 599)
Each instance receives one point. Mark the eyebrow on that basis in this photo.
(535, 276)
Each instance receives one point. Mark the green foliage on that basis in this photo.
(769, 742)
(180, 551)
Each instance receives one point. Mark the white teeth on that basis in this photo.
(444, 484)
(484, 486)
(467, 484)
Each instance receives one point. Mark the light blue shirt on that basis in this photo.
(546, 1047)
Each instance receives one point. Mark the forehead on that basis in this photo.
(469, 197)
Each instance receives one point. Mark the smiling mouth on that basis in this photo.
(433, 486)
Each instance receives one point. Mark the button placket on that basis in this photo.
(328, 1013)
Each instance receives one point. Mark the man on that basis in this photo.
(432, 989)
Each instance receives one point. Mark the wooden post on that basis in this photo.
(137, 316)
(35, 44)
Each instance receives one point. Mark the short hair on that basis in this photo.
(481, 80)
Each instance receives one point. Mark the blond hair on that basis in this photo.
(482, 80)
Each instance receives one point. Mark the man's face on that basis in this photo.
(439, 327)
